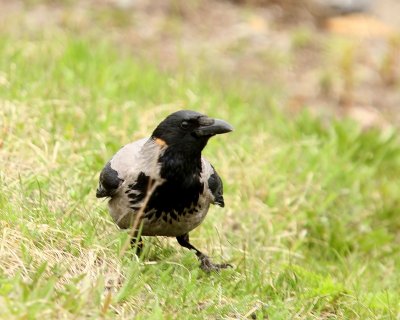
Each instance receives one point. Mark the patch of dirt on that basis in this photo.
(336, 66)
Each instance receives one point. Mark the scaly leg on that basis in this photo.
(136, 242)
(205, 262)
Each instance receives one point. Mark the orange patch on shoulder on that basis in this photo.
(160, 142)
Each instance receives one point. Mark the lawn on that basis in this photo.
(311, 222)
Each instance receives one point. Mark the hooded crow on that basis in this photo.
(185, 183)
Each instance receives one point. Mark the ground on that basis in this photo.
(311, 218)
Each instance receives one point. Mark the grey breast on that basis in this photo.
(129, 162)
(142, 156)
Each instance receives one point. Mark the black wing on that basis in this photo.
(108, 182)
(216, 187)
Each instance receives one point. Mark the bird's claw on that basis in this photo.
(207, 266)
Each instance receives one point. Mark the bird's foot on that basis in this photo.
(138, 245)
(207, 266)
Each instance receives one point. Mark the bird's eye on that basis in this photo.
(184, 125)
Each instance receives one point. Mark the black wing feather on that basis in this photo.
(108, 182)
(216, 187)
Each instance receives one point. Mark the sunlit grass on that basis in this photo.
(311, 219)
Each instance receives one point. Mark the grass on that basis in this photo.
(311, 219)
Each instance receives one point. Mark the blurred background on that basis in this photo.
(335, 57)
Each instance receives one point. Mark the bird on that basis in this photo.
(165, 181)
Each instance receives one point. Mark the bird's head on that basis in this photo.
(188, 131)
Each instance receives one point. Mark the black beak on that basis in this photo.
(210, 127)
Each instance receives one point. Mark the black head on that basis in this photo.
(188, 131)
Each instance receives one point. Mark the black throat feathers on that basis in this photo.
(181, 189)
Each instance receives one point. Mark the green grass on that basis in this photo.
(312, 211)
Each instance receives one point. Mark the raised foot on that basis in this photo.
(207, 266)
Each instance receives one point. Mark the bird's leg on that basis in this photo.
(136, 242)
(205, 262)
